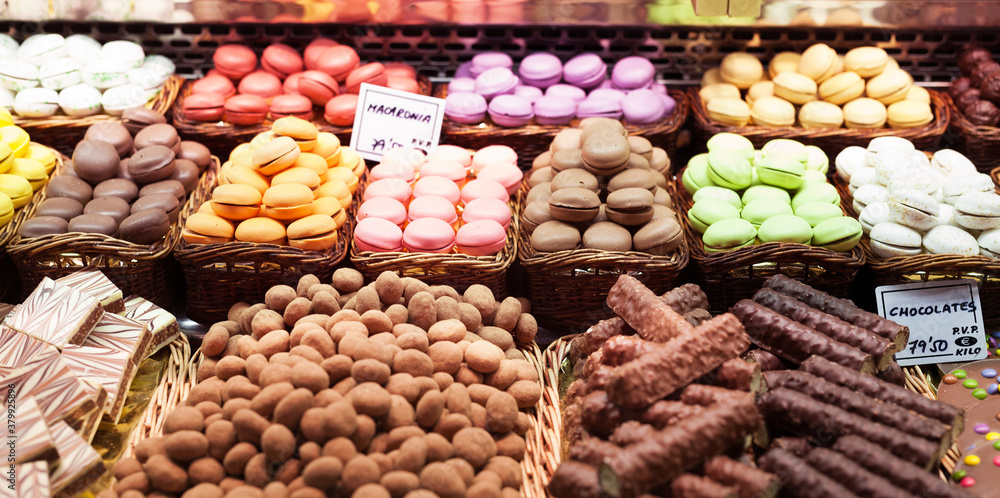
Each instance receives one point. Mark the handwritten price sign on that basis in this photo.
(388, 119)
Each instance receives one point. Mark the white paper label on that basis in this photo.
(945, 320)
(387, 118)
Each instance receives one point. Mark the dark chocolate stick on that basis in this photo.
(632, 432)
(575, 480)
(886, 392)
(893, 375)
(697, 317)
(841, 308)
(879, 347)
(598, 415)
(692, 486)
(751, 482)
(593, 451)
(664, 413)
(767, 360)
(800, 479)
(860, 404)
(740, 375)
(645, 312)
(851, 475)
(686, 298)
(796, 342)
(592, 340)
(622, 349)
(800, 414)
(700, 394)
(798, 446)
(906, 475)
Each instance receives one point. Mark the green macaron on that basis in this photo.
(765, 192)
(813, 176)
(816, 212)
(837, 234)
(730, 169)
(729, 234)
(822, 192)
(720, 193)
(761, 210)
(708, 211)
(696, 174)
(818, 160)
(787, 148)
(785, 228)
(731, 141)
(780, 171)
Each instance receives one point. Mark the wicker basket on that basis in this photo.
(929, 267)
(729, 276)
(64, 132)
(981, 144)
(831, 140)
(135, 269)
(531, 140)
(568, 289)
(221, 137)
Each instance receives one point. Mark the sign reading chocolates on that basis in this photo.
(387, 119)
(945, 320)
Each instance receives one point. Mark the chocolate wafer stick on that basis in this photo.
(851, 475)
(796, 342)
(886, 392)
(575, 480)
(767, 360)
(800, 414)
(860, 404)
(893, 374)
(879, 347)
(799, 478)
(898, 471)
(740, 375)
(672, 365)
(592, 340)
(645, 312)
(692, 486)
(841, 308)
(751, 482)
(622, 349)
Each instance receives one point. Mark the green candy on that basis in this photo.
(979, 393)
(970, 383)
(959, 374)
(958, 475)
(996, 445)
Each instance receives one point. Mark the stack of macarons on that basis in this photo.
(598, 188)
(24, 167)
(123, 185)
(909, 204)
(780, 193)
(545, 91)
(48, 73)
(245, 90)
(448, 201)
(291, 185)
(864, 88)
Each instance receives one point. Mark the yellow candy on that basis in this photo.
(5, 118)
(16, 138)
(43, 155)
(17, 188)
(972, 460)
(30, 170)
(6, 157)
(6, 209)
(992, 436)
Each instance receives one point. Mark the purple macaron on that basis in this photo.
(465, 107)
(554, 110)
(510, 111)
(464, 70)
(669, 104)
(643, 107)
(541, 69)
(599, 108)
(569, 91)
(532, 93)
(607, 93)
(632, 73)
(585, 71)
(462, 85)
(496, 81)
(489, 60)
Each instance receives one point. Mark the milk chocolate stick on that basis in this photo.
(686, 298)
(632, 432)
(593, 451)
(829, 325)
(798, 446)
(800, 479)
(700, 394)
(796, 342)
(664, 413)
(645, 312)
(697, 317)
(841, 308)
(739, 375)
(800, 414)
(904, 474)
(575, 480)
(893, 374)
(750, 482)
(886, 392)
(592, 340)
(767, 360)
(598, 415)
(851, 475)
(692, 486)
(622, 349)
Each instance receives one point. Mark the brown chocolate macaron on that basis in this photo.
(658, 237)
(145, 227)
(93, 223)
(579, 178)
(71, 187)
(641, 146)
(535, 214)
(196, 153)
(540, 192)
(163, 201)
(42, 225)
(172, 187)
(136, 118)
(567, 159)
(113, 133)
(124, 189)
(574, 204)
(605, 153)
(114, 207)
(151, 164)
(187, 173)
(554, 236)
(158, 134)
(607, 236)
(60, 207)
(95, 161)
(632, 178)
(630, 206)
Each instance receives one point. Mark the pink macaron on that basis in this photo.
(401, 171)
(493, 154)
(386, 208)
(389, 187)
(314, 49)
(446, 168)
(215, 83)
(481, 238)
(506, 174)
(281, 60)
(432, 206)
(487, 208)
(455, 153)
(428, 235)
(438, 186)
(378, 235)
(318, 86)
(479, 188)
(260, 83)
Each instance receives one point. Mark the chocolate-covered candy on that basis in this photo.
(93, 223)
(117, 187)
(196, 153)
(959, 86)
(984, 71)
(60, 207)
(151, 164)
(983, 113)
(95, 161)
(113, 133)
(114, 207)
(972, 57)
(123, 170)
(990, 90)
(42, 225)
(967, 98)
(162, 201)
(145, 227)
(172, 187)
(136, 118)
(969, 385)
(69, 186)
(186, 172)
(158, 134)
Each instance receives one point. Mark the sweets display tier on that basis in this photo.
(773, 404)
(973, 100)
(287, 397)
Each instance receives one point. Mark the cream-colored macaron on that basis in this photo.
(909, 114)
(729, 111)
(794, 87)
(818, 62)
(842, 88)
(866, 61)
(723, 90)
(890, 86)
(772, 111)
(741, 69)
(784, 61)
(760, 89)
(819, 114)
(865, 113)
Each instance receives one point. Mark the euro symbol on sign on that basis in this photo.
(965, 341)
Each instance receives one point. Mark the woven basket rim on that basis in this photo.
(9, 231)
(30, 249)
(937, 127)
(161, 104)
(962, 124)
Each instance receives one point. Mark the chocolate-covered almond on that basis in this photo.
(158, 134)
(145, 227)
(151, 164)
(136, 118)
(114, 207)
(93, 223)
(113, 133)
(60, 207)
(69, 186)
(186, 172)
(42, 225)
(196, 153)
(124, 189)
(162, 201)
(172, 187)
(95, 161)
